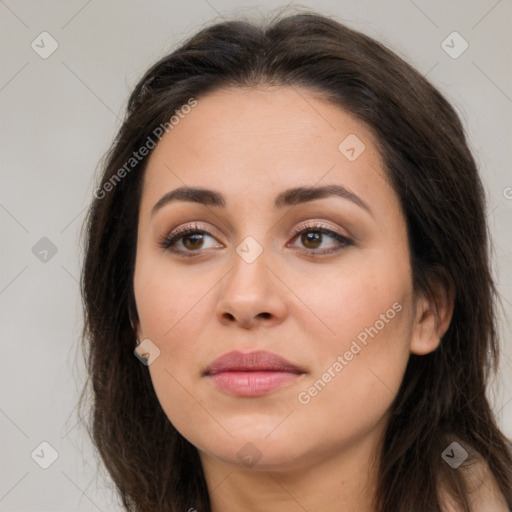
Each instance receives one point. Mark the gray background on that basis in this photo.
(58, 117)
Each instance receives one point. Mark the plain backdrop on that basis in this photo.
(59, 115)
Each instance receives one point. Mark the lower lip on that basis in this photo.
(252, 383)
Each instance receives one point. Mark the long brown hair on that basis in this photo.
(423, 144)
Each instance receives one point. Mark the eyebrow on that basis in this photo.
(289, 197)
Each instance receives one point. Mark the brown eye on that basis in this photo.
(311, 239)
(186, 241)
(193, 241)
(313, 236)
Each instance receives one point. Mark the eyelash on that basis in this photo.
(169, 241)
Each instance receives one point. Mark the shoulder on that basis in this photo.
(484, 493)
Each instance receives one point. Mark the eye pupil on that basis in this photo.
(198, 237)
(311, 237)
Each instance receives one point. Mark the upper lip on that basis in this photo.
(252, 361)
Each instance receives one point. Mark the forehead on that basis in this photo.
(259, 140)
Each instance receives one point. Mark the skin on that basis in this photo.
(250, 145)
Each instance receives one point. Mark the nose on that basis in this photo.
(252, 294)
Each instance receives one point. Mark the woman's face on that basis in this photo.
(260, 275)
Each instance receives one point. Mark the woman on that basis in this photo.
(286, 284)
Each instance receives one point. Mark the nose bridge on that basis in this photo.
(249, 275)
(250, 289)
(254, 234)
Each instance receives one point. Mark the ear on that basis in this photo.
(434, 313)
(135, 323)
(138, 332)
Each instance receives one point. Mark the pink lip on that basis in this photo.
(252, 374)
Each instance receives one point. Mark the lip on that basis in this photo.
(251, 374)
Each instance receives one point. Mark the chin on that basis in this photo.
(255, 453)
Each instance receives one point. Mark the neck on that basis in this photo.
(335, 480)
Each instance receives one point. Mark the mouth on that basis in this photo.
(253, 374)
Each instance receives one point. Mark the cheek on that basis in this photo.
(357, 296)
(359, 374)
(169, 299)
(172, 318)
(366, 313)
(174, 307)
(358, 383)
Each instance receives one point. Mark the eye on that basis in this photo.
(312, 235)
(190, 237)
